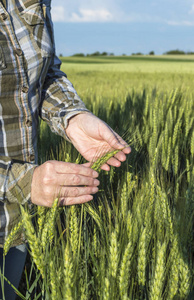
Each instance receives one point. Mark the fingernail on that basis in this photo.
(94, 190)
(88, 198)
(96, 182)
(95, 174)
(129, 148)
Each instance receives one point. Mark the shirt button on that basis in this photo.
(4, 16)
(18, 51)
(24, 89)
(3, 65)
(29, 123)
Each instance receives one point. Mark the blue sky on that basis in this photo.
(123, 26)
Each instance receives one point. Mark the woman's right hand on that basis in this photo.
(71, 183)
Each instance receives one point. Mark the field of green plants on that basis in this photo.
(136, 239)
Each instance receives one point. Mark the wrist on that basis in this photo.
(34, 185)
(75, 121)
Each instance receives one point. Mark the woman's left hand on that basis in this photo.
(93, 138)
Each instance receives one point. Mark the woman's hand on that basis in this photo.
(92, 138)
(71, 183)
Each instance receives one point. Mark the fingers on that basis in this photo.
(111, 162)
(69, 168)
(74, 192)
(76, 195)
(127, 150)
(88, 164)
(74, 201)
(116, 160)
(120, 156)
(112, 138)
(105, 167)
(119, 143)
(76, 180)
(75, 189)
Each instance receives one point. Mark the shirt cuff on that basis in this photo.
(59, 124)
(18, 185)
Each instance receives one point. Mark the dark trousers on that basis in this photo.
(14, 264)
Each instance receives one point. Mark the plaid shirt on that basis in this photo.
(31, 85)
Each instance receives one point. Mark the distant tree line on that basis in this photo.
(139, 53)
(178, 52)
(97, 53)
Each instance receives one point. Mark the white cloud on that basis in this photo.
(58, 14)
(82, 15)
(115, 11)
(191, 10)
(185, 20)
(89, 15)
(85, 11)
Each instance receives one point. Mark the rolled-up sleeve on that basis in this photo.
(15, 180)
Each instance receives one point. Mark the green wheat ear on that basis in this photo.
(12, 236)
(102, 160)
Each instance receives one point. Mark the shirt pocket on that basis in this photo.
(33, 16)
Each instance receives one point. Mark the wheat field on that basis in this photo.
(135, 239)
